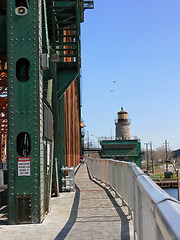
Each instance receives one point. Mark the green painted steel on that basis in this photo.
(65, 78)
(36, 99)
(25, 111)
(125, 150)
(62, 145)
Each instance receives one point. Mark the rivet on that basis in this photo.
(29, 112)
(17, 112)
(22, 39)
(23, 112)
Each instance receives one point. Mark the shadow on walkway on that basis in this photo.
(73, 216)
(74, 212)
(122, 216)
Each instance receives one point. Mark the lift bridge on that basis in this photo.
(40, 128)
(40, 136)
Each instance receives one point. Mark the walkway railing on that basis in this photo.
(156, 215)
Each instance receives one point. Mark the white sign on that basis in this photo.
(24, 166)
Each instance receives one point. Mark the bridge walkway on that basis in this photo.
(91, 212)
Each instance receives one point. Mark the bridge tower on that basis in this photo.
(122, 126)
(41, 53)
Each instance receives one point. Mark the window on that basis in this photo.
(23, 144)
(23, 69)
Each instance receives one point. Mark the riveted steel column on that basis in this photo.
(25, 109)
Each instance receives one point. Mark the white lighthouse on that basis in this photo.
(122, 126)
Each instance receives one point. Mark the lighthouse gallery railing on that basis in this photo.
(156, 215)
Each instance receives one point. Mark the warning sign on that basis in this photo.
(24, 167)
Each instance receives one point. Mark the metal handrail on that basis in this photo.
(156, 215)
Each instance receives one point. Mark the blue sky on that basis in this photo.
(137, 44)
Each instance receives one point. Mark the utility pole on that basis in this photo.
(88, 140)
(166, 147)
(152, 157)
(147, 155)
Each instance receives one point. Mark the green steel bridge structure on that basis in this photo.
(40, 58)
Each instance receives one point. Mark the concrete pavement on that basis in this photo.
(91, 212)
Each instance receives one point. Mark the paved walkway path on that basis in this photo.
(91, 212)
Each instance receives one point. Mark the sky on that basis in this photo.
(131, 58)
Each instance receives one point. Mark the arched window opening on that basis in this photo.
(23, 144)
(23, 70)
